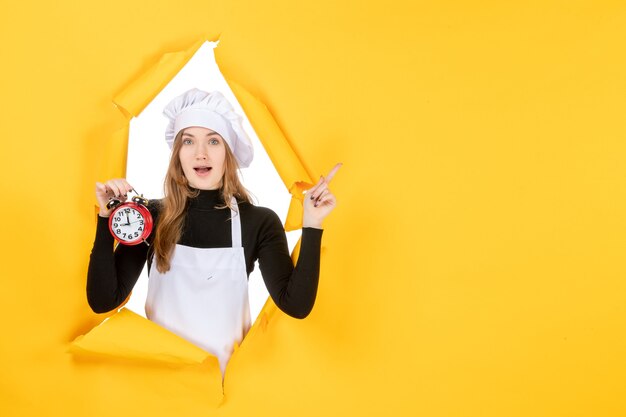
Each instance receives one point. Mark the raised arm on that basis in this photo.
(112, 274)
(294, 289)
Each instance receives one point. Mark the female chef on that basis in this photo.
(207, 235)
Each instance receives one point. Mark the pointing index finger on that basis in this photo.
(332, 172)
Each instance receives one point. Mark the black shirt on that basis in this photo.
(113, 274)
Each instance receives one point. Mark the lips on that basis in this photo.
(202, 170)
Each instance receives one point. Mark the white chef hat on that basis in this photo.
(211, 110)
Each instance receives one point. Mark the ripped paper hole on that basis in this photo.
(128, 335)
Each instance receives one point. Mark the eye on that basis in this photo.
(187, 142)
(214, 141)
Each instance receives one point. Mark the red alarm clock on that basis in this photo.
(130, 223)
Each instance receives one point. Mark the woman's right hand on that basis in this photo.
(118, 188)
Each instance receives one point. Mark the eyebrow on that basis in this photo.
(208, 134)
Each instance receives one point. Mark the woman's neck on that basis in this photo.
(207, 199)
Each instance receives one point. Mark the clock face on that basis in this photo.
(128, 224)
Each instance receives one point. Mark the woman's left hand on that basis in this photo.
(319, 201)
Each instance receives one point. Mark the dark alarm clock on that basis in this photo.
(130, 223)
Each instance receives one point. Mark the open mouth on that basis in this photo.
(203, 170)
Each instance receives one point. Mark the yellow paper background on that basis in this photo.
(473, 267)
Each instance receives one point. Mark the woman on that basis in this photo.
(207, 235)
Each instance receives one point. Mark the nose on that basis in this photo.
(201, 152)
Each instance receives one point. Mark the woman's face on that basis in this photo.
(202, 156)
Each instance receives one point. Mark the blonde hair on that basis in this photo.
(177, 195)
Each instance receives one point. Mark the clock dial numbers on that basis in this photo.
(131, 223)
(128, 224)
